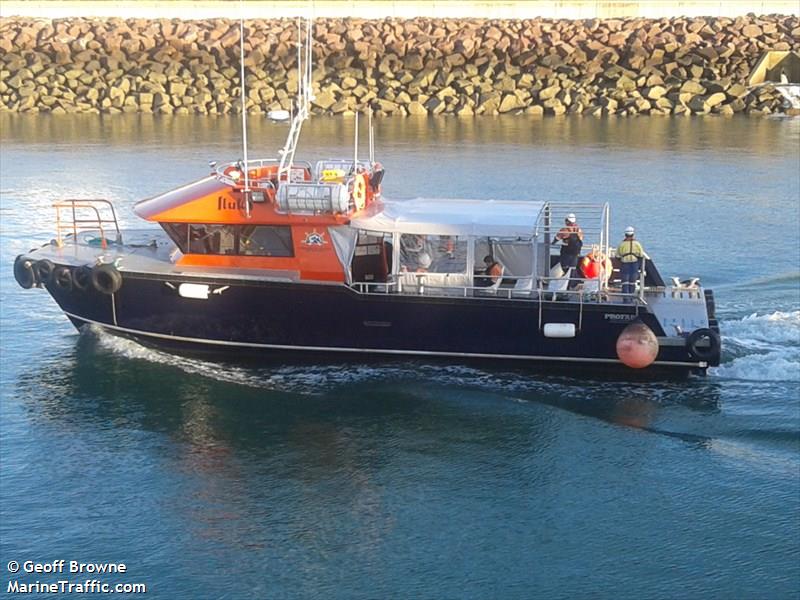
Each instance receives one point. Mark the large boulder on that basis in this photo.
(510, 102)
(324, 99)
(416, 108)
(693, 87)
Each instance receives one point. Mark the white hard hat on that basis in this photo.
(629, 231)
(571, 218)
(424, 260)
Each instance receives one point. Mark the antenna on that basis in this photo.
(244, 111)
(355, 148)
(371, 138)
(299, 61)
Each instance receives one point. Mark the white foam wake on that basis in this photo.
(774, 328)
(311, 379)
(767, 349)
(302, 379)
(770, 344)
(773, 366)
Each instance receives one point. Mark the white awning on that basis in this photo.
(438, 216)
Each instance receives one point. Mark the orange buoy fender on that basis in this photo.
(637, 346)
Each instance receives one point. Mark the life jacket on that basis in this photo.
(572, 245)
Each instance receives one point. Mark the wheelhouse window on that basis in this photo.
(232, 240)
(212, 239)
(179, 233)
(265, 240)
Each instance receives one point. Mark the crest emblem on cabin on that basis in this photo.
(314, 238)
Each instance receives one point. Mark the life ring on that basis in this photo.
(62, 278)
(233, 172)
(106, 279)
(82, 278)
(24, 272)
(44, 271)
(702, 352)
(360, 191)
(592, 265)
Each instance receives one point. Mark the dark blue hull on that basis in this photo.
(260, 318)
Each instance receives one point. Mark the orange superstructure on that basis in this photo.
(266, 221)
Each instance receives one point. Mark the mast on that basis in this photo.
(244, 110)
(303, 99)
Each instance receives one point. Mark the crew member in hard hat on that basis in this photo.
(630, 253)
(571, 238)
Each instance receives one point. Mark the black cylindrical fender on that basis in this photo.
(24, 272)
(82, 278)
(703, 352)
(62, 278)
(106, 279)
(44, 271)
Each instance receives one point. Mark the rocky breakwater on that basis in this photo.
(397, 67)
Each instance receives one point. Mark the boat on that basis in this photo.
(282, 257)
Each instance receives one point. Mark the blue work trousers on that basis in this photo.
(630, 274)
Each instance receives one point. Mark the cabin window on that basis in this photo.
(265, 240)
(212, 239)
(372, 257)
(232, 240)
(179, 233)
(515, 255)
(433, 253)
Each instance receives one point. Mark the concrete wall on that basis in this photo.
(406, 9)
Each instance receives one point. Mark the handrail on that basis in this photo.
(538, 291)
(219, 171)
(76, 224)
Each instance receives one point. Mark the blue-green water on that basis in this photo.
(405, 479)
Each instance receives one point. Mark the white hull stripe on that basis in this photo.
(179, 338)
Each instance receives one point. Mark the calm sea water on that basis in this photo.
(404, 479)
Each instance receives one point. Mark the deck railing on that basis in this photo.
(525, 287)
(74, 215)
(232, 173)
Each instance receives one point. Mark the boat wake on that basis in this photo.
(284, 378)
(758, 347)
(665, 408)
(320, 377)
(761, 347)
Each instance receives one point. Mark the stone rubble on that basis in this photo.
(397, 67)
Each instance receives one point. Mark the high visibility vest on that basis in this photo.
(630, 251)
